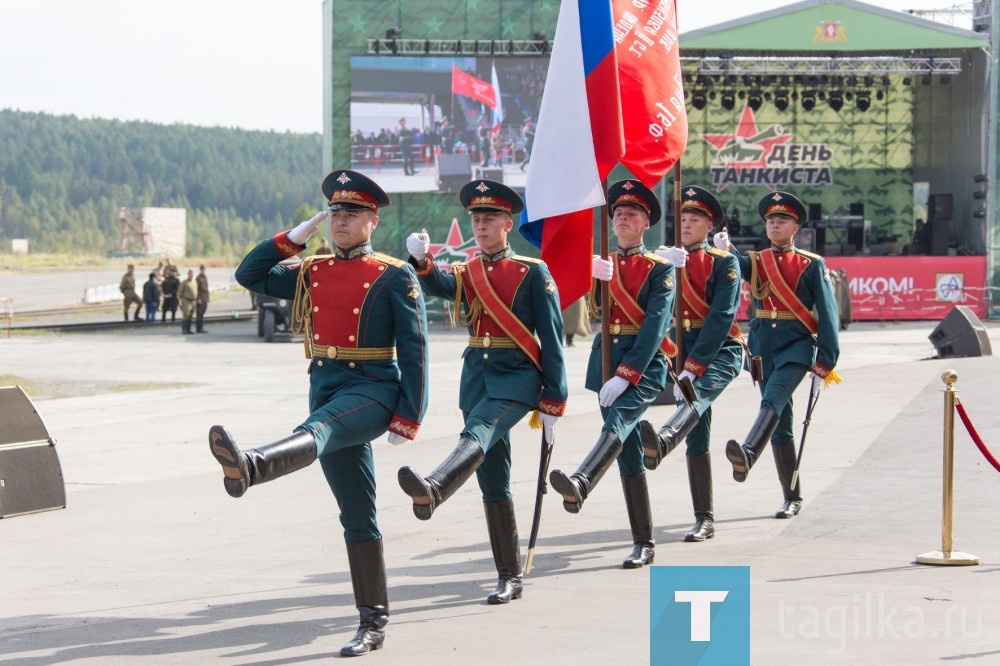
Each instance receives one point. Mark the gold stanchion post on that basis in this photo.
(946, 555)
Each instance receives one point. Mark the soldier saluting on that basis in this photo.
(786, 286)
(365, 328)
(513, 364)
(642, 294)
(710, 296)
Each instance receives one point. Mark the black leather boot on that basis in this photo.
(264, 463)
(506, 551)
(743, 457)
(784, 461)
(656, 445)
(576, 488)
(370, 596)
(700, 480)
(640, 519)
(430, 492)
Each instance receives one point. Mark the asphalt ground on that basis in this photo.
(151, 561)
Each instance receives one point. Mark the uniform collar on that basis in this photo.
(505, 253)
(361, 249)
(783, 248)
(700, 245)
(631, 251)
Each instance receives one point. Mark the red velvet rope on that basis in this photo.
(975, 436)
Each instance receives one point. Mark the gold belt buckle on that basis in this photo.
(687, 324)
(774, 314)
(331, 352)
(616, 328)
(487, 341)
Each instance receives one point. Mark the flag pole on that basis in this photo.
(679, 274)
(605, 293)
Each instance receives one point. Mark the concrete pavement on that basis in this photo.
(152, 562)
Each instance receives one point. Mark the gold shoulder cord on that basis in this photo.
(758, 291)
(458, 320)
(592, 307)
(302, 305)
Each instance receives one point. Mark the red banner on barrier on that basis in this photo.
(915, 288)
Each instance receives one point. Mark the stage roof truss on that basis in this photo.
(461, 47)
(812, 65)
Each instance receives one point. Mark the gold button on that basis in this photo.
(364, 258)
(774, 326)
(330, 263)
(615, 341)
(774, 314)
(381, 268)
(367, 285)
(351, 364)
(687, 324)
(315, 268)
(351, 338)
(316, 336)
(319, 363)
(315, 308)
(487, 341)
(331, 352)
(490, 268)
(523, 269)
(616, 329)
(485, 356)
(315, 284)
(687, 312)
(357, 311)
(622, 262)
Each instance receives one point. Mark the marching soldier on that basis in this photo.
(127, 287)
(713, 342)
(786, 285)
(513, 364)
(204, 296)
(189, 294)
(365, 330)
(641, 299)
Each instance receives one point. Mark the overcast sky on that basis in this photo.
(254, 64)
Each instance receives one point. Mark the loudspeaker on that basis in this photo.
(940, 207)
(806, 239)
(30, 475)
(961, 333)
(858, 209)
(490, 173)
(815, 212)
(858, 233)
(938, 232)
(454, 171)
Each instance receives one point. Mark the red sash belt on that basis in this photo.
(785, 293)
(635, 313)
(502, 315)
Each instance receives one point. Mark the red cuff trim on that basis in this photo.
(551, 408)
(821, 371)
(285, 246)
(404, 427)
(631, 375)
(694, 367)
(426, 270)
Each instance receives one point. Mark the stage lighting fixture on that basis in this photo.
(808, 100)
(698, 100)
(926, 80)
(754, 100)
(864, 101)
(781, 100)
(907, 80)
(836, 100)
(880, 95)
(728, 101)
(393, 33)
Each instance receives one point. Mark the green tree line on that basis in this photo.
(63, 179)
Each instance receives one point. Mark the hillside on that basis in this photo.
(63, 179)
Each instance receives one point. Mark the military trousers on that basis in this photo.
(489, 423)
(621, 418)
(776, 391)
(709, 386)
(343, 428)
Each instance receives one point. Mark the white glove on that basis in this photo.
(721, 241)
(612, 388)
(549, 425)
(677, 255)
(602, 269)
(395, 438)
(418, 245)
(678, 394)
(305, 230)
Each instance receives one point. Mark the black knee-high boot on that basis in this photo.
(700, 480)
(784, 461)
(264, 463)
(743, 457)
(370, 596)
(656, 445)
(506, 551)
(640, 519)
(430, 492)
(577, 487)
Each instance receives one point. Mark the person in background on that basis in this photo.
(201, 304)
(324, 247)
(127, 287)
(151, 297)
(576, 320)
(189, 297)
(170, 286)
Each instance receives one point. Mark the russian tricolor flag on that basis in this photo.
(578, 140)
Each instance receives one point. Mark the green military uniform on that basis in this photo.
(188, 296)
(784, 341)
(713, 344)
(127, 287)
(365, 329)
(641, 303)
(513, 364)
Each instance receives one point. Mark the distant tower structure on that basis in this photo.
(135, 238)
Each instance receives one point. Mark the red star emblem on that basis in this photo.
(742, 149)
(455, 244)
